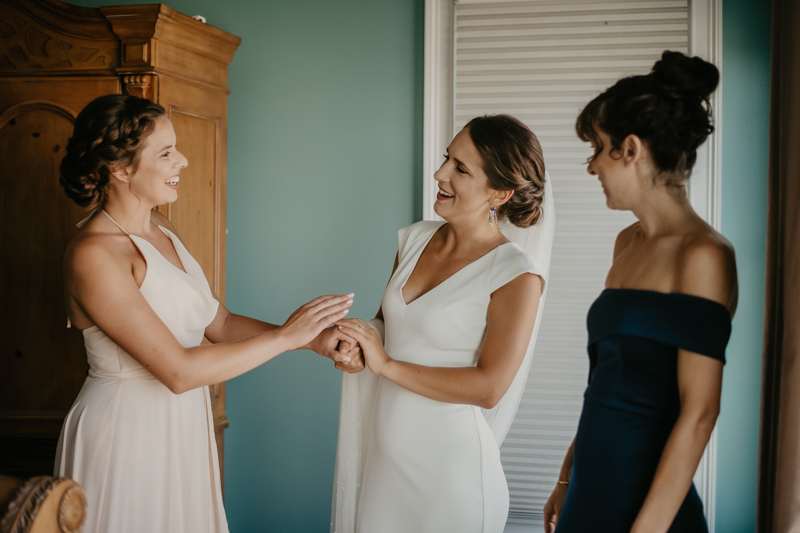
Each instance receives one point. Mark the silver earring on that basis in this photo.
(492, 217)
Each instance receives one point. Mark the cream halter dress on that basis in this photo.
(146, 457)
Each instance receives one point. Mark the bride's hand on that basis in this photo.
(309, 320)
(369, 340)
(349, 359)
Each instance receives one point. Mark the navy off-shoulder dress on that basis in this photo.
(632, 403)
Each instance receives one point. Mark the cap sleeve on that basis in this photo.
(509, 263)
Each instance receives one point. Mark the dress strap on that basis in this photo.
(115, 223)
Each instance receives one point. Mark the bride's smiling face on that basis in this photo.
(464, 190)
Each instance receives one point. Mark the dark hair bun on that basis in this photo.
(688, 76)
(668, 109)
(109, 131)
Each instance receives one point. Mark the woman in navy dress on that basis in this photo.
(657, 333)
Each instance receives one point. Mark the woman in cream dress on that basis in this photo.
(459, 311)
(140, 436)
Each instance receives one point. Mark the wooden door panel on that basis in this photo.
(42, 221)
(47, 360)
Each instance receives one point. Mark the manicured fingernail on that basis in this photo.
(349, 301)
(346, 359)
(340, 327)
(351, 295)
(345, 311)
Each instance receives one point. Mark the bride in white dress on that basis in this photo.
(419, 444)
(140, 436)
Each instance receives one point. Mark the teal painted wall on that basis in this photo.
(745, 121)
(324, 166)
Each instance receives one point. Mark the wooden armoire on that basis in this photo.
(54, 59)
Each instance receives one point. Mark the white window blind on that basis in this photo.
(542, 61)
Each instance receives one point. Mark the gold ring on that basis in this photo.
(359, 328)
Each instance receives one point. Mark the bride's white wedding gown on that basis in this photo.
(434, 467)
(409, 464)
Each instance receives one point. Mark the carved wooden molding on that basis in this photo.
(157, 39)
(28, 45)
(142, 86)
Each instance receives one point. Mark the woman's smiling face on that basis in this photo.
(464, 190)
(156, 179)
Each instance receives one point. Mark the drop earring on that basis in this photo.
(492, 217)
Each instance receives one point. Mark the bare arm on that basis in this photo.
(554, 504)
(710, 272)
(700, 383)
(511, 316)
(99, 281)
(230, 327)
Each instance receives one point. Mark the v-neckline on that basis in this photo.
(169, 235)
(174, 246)
(448, 278)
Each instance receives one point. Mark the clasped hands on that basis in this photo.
(320, 326)
(351, 344)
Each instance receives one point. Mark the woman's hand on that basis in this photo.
(332, 343)
(552, 509)
(344, 351)
(305, 324)
(370, 342)
(354, 365)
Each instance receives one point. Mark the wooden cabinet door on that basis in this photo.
(42, 363)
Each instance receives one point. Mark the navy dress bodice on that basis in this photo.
(632, 403)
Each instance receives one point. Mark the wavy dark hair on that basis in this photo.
(109, 131)
(668, 109)
(512, 161)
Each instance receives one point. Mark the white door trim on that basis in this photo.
(438, 112)
(705, 194)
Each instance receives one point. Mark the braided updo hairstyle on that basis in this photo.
(667, 109)
(110, 131)
(512, 161)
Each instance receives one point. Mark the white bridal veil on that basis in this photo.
(358, 390)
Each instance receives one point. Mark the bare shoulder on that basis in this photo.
(99, 248)
(625, 237)
(93, 251)
(708, 268)
(161, 220)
